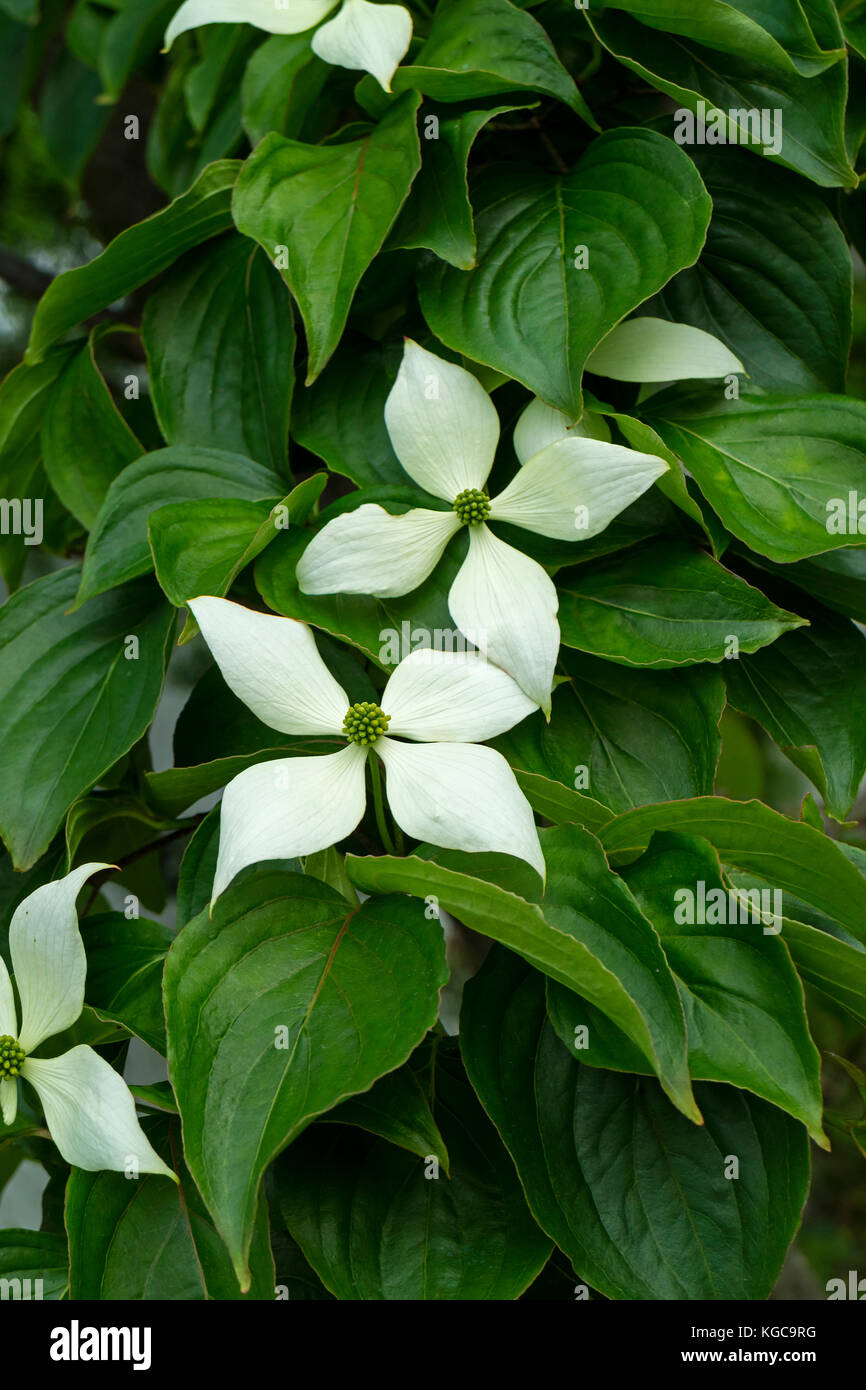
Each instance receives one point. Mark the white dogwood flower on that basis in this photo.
(88, 1107)
(442, 786)
(373, 37)
(445, 429)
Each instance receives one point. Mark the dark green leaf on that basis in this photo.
(135, 257)
(665, 605)
(751, 837)
(777, 470)
(531, 227)
(77, 690)
(806, 694)
(586, 932)
(118, 548)
(220, 343)
(125, 959)
(622, 736)
(380, 1224)
(85, 440)
(636, 1196)
(283, 1003)
(144, 1238)
(330, 208)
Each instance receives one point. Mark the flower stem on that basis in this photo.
(379, 805)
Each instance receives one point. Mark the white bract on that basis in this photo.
(89, 1110)
(442, 787)
(372, 37)
(445, 429)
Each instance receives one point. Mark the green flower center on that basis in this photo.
(365, 723)
(472, 506)
(12, 1057)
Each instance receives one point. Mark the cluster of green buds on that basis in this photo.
(472, 506)
(12, 1057)
(365, 723)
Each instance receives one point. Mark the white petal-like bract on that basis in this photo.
(372, 37)
(460, 796)
(90, 1114)
(452, 697)
(368, 551)
(48, 957)
(507, 605)
(8, 1100)
(8, 1016)
(275, 16)
(289, 807)
(574, 488)
(540, 424)
(273, 665)
(442, 423)
(650, 349)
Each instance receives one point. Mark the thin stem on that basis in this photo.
(379, 805)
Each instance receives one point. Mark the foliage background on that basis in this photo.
(57, 211)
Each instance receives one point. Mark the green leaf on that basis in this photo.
(70, 86)
(838, 578)
(281, 82)
(438, 214)
(341, 417)
(284, 1003)
(85, 440)
(634, 1194)
(778, 35)
(118, 548)
(76, 692)
(114, 827)
(587, 932)
(834, 967)
(774, 279)
(395, 1109)
(808, 134)
(622, 736)
(38, 1259)
(665, 605)
(24, 396)
(758, 841)
(385, 630)
(531, 227)
(777, 470)
(135, 257)
(330, 207)
(480, 48)
(131, 36)
(201, 547)
(197, 869)
(220, 343)
(805, 694)
(376, 1226)
(150, 1239)
(745, 1015)
(125, 960)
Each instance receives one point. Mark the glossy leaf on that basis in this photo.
(135, 257)
(309, 1001)
(118, 548)
(533, 229)
(634, 1194)
(665, 606)
(330, 207)
(69, 682)
(586, 932)
(220, 343)
(376, 1225)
